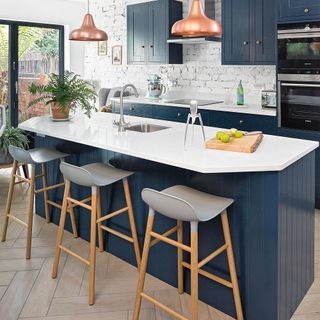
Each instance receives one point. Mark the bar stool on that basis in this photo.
(186, 204)
(94, 175)
(32, 157)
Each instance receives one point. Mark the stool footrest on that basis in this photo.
(113, 214)
(55, 186)
(17, 220)
(74, 255)
(73, 205)
(79, 203)
(166, 234)
(22, 178)
(210, 276)
(170, 241)
(212, 255)
(164, 307)
(117, 233)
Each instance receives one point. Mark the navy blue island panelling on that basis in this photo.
(272, 225)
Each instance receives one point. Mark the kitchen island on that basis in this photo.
(272, 219)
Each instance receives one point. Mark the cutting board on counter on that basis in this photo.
(247, 144)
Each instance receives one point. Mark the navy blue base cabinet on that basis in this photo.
(149, 26)
(220, 119)
(299, 10)
(271, 221)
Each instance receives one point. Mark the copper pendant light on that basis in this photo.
(197, 24)
(88, 31)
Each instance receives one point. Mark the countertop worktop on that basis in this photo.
(166, 146)
(249, 108)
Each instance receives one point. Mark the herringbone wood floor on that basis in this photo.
(28, 292)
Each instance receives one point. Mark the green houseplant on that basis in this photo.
(11, 136)
(64, 93)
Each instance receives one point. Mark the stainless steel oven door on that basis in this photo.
(300, 105)
(299, 51)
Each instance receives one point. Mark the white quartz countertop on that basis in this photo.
(166, 146)
(248, 108)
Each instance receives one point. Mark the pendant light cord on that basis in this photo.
(88, 6)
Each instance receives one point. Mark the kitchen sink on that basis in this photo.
(146, 127)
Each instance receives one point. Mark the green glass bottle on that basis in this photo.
(240, 94)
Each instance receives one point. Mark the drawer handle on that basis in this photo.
(142, 47)
(306, 10)
(245, 43)
(131, 109)
(151, 45)
(241, 121)
(179, 114)
(258, 42)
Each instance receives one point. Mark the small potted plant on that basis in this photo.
(64, 93)
(11, 136)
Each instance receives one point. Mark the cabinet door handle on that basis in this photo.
(241, 121)
(245, 43)
(142, 47)
(306, 10)
(131, 109)
(258, 42)
(151, 45)
(179, 114)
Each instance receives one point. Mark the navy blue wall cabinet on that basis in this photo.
(249, 32)
(149, 26)
(299, 10)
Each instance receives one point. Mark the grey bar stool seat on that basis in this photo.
(185, 204)
(32, 157)
(95, 175)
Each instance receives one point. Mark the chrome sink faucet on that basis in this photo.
(122, 124)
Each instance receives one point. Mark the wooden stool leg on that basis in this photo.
(92, 264)
(30, 212)
(9, 202)
(60, 230)
(232, 267)
(132, 222)
(45, 192)
(180, 258)
(143, 266)
(194, 270)
(72, 218)
(99, 214)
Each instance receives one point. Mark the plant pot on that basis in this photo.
(59, 113)
(5, 158)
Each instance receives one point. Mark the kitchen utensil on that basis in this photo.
(246, 144)
(155, 87)
(193, 116)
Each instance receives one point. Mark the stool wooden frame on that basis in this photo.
(96, 220)
(195, 266)
(17, 179)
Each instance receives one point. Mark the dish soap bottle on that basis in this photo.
(240, 94)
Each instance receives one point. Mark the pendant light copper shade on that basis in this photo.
(88, 31)
(197, 24)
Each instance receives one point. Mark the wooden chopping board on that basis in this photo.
(247, 144)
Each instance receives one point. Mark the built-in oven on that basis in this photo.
(299, 102)
(299, 48)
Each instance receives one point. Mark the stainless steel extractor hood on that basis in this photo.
(210, 9)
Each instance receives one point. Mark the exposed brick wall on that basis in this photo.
(202, 69)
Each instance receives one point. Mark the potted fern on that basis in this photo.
(11, 136)
(64, 93)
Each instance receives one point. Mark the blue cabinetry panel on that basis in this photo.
(149, 26)
(299, 10)
(249, 32)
